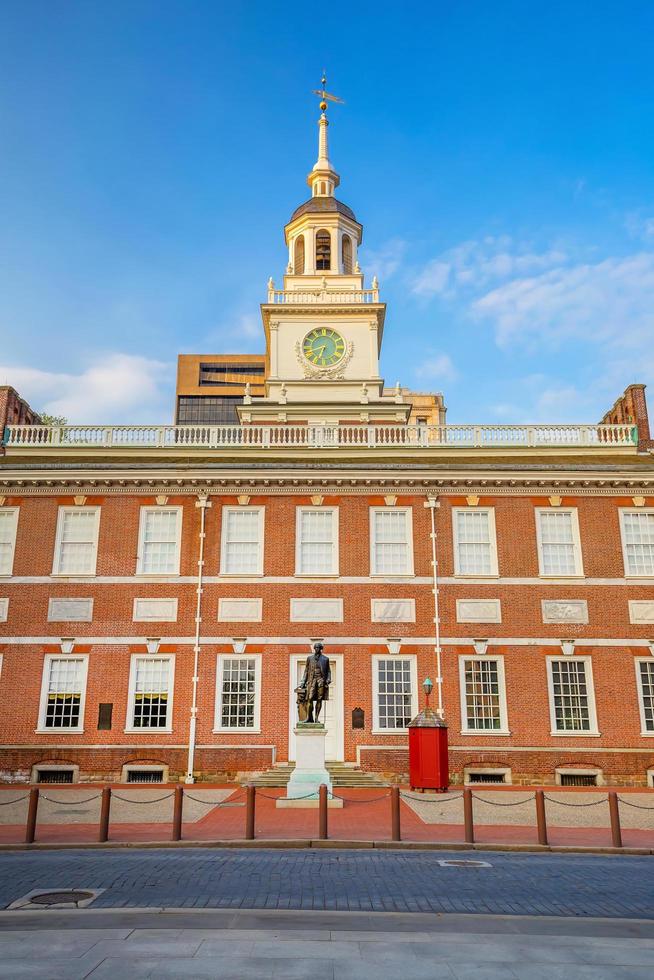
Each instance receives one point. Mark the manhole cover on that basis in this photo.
(464, 864)
(57, 898)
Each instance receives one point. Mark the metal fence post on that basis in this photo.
(178, 806)
(32, 808)
(396, 833)
(105, 807)
(249, 811)
(468, 823)
(322, 812)
(614, 814)
(541, 819)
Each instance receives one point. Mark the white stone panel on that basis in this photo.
(70, 610)
(641, 611)
(240, 610)
(565, 610)
(4, 609)
(316, 610)
(393, 610)
(155, 610)
(478, 611)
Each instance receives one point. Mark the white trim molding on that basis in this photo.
(148, 609)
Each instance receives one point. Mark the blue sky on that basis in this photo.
(500, 156)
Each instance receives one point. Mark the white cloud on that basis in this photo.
(438, 367)
(114, 388)
(385, 261)
(475, 264)
(609, 303)
(640, 225)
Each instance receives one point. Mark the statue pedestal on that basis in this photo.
(310, 771)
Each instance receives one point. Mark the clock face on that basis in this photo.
(323, 347)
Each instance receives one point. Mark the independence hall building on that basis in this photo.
(160, 585)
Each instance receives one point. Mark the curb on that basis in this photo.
(385, 845)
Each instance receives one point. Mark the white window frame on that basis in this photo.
(131, 696)
(299, 511)
(408, 511)
(641, 695)
(576, 541)
(45, 684)
(220, 666)
(494, 572)
(56, 559)
(223, 542)
(140, 554)
(13, 511)
(504, 723)
(377, 657)
(632, 510)
(593, 731)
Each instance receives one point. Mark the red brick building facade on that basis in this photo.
(160, 586)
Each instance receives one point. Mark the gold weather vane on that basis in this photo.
(324, 96)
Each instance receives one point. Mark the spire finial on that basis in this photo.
(324, 95)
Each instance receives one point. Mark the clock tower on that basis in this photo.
(324, 328)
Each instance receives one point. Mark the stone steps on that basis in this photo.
(341, 774)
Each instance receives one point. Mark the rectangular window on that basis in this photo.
(559, 547)
(62, 693)
(645, 675)
(237, 697)
(150, 696)
(76, 544)
(572, 700)
(638, 542)
(242, 541)
(475, 551)
(316, 551)
(395, 693)
(391, 544)
(8, 526)
(159, 541)
(483, 699)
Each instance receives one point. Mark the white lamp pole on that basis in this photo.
(432, 503)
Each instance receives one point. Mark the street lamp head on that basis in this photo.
(428, 686)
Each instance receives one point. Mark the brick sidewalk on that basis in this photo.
(366, 816)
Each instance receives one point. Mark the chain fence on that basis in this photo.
(550, 799)
(159, 799)
(347, 799)
(480, 799)
(215, 803)
(637, 806)
(49, 799)
(428, 799)
(19, 800)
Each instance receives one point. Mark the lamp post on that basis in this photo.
(427, 687)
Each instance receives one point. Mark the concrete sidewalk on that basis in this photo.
(215, 945)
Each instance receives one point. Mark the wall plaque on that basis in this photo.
(70, 610)
(4, 609)
(240, 610)
(358, 718)
(393, 610)
(155, 610)
(478, 611)
(316, 610)
(565, 611)
(641, 610)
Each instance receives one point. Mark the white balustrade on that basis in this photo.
(291, 436)
(319, 296)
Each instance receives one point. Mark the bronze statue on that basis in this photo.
(314, 686)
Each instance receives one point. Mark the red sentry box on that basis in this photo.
(428, 754)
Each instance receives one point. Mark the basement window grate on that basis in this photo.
(578, 779)
(486, 777)
(145, 776)
(55, 775)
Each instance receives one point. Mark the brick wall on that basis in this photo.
(631, 407)
(103, 753)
